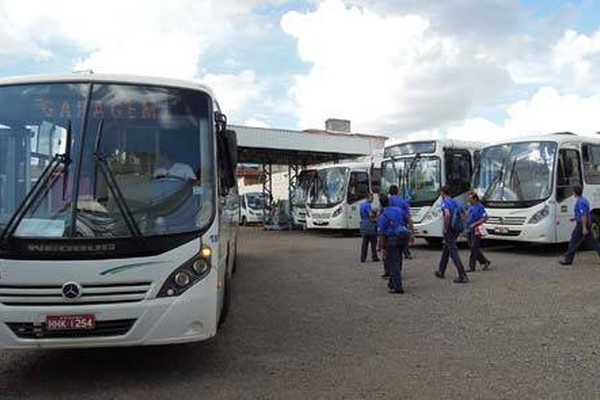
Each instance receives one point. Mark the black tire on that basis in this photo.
(226, 300)
(244, 221)
(434, 241)
(235, 259)
(595, 230)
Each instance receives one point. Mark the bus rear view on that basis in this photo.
(111, 229)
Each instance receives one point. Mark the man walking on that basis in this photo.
(392, 226)
(368, 229)
(398, 201)
(477, 216)
(453, 226)
(583, 223)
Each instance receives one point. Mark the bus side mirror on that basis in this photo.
(228, 154)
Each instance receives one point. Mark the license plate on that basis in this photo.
(70, 322)
(502, 230)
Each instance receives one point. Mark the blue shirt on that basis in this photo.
(476, 212)
(398, 201)
(452, 206)
(365, 211)
(393, 221)
(582, 208)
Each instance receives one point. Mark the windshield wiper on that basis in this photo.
(47, 178)
(409, 170)
(112, 184)
(497, 179)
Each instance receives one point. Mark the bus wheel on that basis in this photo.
(595, 228)
(235, 259)
(226, 300)
(244, 221)
(434, 241)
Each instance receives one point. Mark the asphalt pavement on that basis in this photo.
(311, 322)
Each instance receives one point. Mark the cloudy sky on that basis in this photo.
(476, 69)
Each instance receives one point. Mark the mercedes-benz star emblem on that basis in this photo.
(71, 290)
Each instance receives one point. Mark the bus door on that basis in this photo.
(459, 170)
(358, 188)
(568, 174)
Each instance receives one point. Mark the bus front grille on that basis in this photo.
(27, 330)
(513, 221)
(91, 294)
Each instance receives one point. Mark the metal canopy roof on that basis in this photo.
(286, 147)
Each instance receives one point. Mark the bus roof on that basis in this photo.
(90, 77)
(351, 165)
(558, 137)
(442, 142)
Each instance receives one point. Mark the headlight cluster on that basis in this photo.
(188, 274)
(434, 213)
(540, 215)
(336, 213)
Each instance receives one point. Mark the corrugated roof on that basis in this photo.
(280, 146)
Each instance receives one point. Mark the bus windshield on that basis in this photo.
(329, 188)
(256, 201)
(300, 194)
(418, 178)
(516, 173)
(153, 160)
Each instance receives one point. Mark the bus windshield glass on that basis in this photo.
(300, 194)
(256, 201)
(419, 179)
(516, 173)
(146, 153)
(329, 188)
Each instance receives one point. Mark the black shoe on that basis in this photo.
(472, 269)
(464, 279)
(376, 260)
(394, 291)
(362, 261)
(385, 276)
(486, 265)
(563, 262)
(439, 274)
(408, 257)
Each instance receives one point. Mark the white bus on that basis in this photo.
(252, 208)
(526, 186)
(118, 211)
(334, 197)
(300, 196)
(420, 169)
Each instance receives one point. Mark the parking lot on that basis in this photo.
(310, 321)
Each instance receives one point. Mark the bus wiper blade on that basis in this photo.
(48, 174)
(496, 180)
(112, 184)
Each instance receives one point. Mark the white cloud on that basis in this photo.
(547, 111)
(385, 73)
(256, 123)
(143, 37)
(235, 92)
(575, 53)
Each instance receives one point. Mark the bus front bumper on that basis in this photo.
(188, 318)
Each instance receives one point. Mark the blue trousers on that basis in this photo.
(451, 251)
(577, 239)
(393, 262)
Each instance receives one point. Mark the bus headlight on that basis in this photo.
(540, 215)
(434, 213)
(187, 275)
(336, 213)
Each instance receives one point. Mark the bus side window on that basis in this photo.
(568, 174)
(358, 186)
(591, 163)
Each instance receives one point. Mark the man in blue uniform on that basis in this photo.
(477, 216)
(368, 229)
(452, 228)
(583, 223)
(392, 226)
(397, 201)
